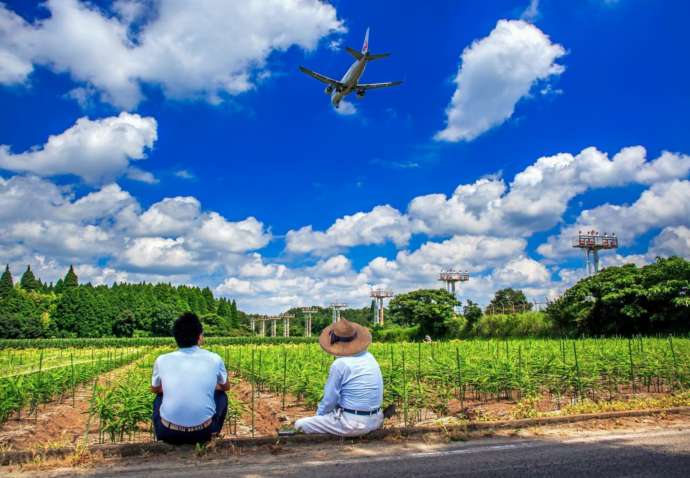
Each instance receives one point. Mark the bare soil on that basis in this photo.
(269, 415)
(61, 422)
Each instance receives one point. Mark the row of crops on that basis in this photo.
(30, 377)
(122, 406)
(418, 377)
(421, 376)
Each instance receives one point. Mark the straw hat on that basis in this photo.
(344, 338)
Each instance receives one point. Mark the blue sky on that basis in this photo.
(186, 146)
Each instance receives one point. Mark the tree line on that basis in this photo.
(625, 300)
(35, 309)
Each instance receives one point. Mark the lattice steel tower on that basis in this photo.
(592, 242)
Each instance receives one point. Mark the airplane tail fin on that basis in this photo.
(365, 47)
(354, 53)
(365, 51)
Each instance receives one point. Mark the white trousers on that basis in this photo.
(340, 423)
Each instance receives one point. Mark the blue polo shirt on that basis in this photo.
(189, 377)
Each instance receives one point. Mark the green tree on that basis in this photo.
(427, 308)
(6, 283)
(472, 313)
(509, 300)
(71, 279)
(215, 325)
(627, 300)
(28, 281)
(123, 326)
(162, 318)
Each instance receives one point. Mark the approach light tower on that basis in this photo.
(286, 323)
(308, 312)
(337, 307)
(379, 295)
(450, 277)
(592, 242)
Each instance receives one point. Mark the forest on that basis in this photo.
(33, 309)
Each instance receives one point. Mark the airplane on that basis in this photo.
(350, 81)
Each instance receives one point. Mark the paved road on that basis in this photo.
(664, 453)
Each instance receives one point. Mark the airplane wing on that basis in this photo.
(375, 86)
(322, 78)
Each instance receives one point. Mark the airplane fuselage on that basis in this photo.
(350, 80)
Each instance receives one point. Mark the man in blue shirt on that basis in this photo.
(352, 397)
(190, 386)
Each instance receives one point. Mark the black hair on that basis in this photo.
(187, 329)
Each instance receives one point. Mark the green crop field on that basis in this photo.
(422, 379)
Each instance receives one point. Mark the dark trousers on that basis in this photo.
(177, 437)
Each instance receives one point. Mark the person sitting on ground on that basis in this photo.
(190, 384)
(352, 397)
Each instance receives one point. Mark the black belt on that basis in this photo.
(360, 412)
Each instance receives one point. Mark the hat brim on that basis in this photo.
(344, 349)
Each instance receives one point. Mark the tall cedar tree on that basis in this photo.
(71, 279)
(28, 280)
(6, 283)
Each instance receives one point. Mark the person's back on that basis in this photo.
(361, 386)
(190, 384)
(190, 376)
(353, 393)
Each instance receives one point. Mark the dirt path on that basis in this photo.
(61, 422)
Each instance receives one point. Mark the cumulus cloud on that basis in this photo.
(535, 200)
(663, 205)
(203, 49)
(98, 151)
(174, 237)
(381, 224)
(495, 73)
(672, 241)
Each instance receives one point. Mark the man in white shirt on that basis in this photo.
(190, 386)
(353, 393)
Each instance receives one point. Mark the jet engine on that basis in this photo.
(328, 90)
(360, 93)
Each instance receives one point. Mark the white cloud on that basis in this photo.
(184, 174)
(173, 237)
(662, 205)
(539, 195)
(495, 73)
(220, 234)
(535, 200)
(531, 13)
(203, 49)
(98, 151)
(158, 254)
(381, 224)
(346, 108)
(170, 217)
(672, 241)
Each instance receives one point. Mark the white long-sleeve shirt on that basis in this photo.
(354, 382)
